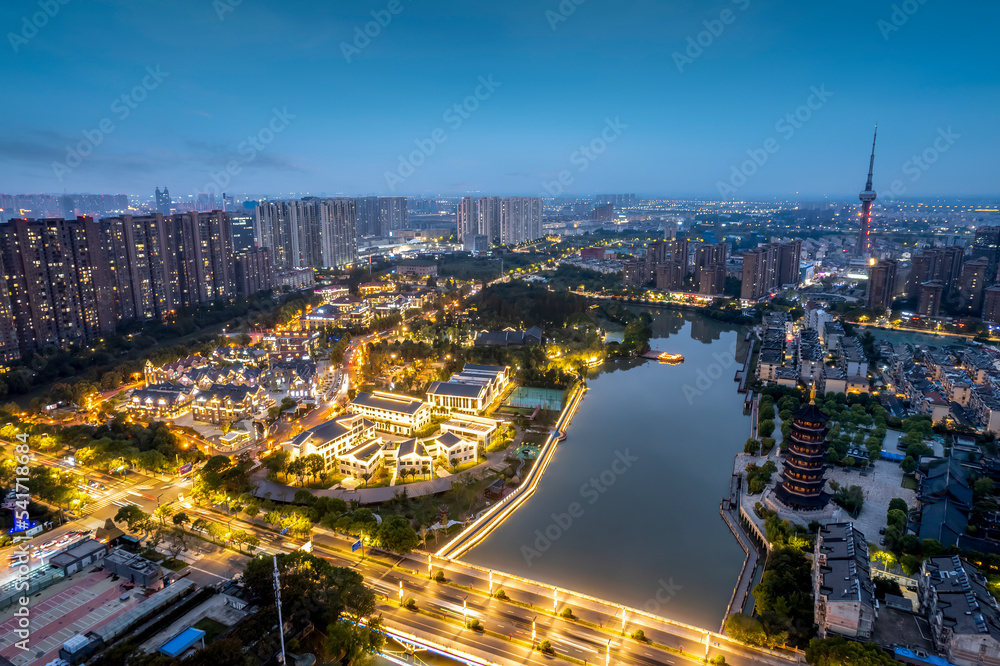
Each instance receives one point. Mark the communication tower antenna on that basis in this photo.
(277, 601)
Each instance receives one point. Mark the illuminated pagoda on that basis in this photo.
(802, 481)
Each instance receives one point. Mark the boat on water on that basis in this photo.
(672, 359)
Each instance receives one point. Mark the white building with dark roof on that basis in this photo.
(331, 439)
(392, 412)
(451, 447)
(470, 391)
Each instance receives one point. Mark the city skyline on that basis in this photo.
(664, 113)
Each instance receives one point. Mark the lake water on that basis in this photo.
(628, 509)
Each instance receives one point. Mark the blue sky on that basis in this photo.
(560, 77)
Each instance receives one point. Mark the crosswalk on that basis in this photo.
(111, 497)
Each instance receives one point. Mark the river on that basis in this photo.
(628, 509)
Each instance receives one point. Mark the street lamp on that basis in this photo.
(465, 610)
(400, 591)
(491, 583)
(533, 629)
(555, 600)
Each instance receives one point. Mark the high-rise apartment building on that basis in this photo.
(991, 304)
(163, 202)
(789, 263)
(138, 250)
(881, 284)
(244, 234)
(520, 220)
(710, 268)
(931, 295)
(466, 218)
(392, 215)
(488, 218)
(940, 263)
(313, 232)
(57, 283)
(203, 251)
(603, 213)
(975, 279)
(508, 221)
(770, 267)
(253, 271)
(366, 212)
(66, 282)
(986, 244)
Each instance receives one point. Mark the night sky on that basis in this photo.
(330, 112)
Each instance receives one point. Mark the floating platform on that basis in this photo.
(663, 357)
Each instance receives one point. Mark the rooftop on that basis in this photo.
(390, 402)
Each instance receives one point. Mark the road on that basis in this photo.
(441, 611)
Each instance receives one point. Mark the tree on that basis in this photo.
(930, 547)
(180, 519)
(910, 564)
(896, 518)
(752, 446)
(178, 542)
(314, 590)
(746, 629)
(908, 465)
(765, 428)
(837, 651)
(897, 503)
(315, 465)
(851, 498)
(216, 531)
(163, 512)
(277, 462)
(297, 468)
(135, 519)
(396, 534)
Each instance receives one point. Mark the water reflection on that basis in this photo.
(653, 537)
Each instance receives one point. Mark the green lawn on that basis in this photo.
(909, 483)
(212, 628)
(173, 565)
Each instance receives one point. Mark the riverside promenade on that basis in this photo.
(486, 523)
(730, 510)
